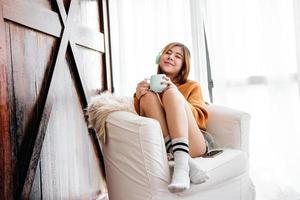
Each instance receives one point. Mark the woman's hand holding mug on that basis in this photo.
(167, 81)
(158, 83)
(142, 88)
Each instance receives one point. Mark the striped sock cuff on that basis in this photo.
(168, 144)
(180, 144)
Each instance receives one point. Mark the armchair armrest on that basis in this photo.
(229, 127)
(136, 157)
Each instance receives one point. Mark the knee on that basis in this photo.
(172, 94)
(148, 99)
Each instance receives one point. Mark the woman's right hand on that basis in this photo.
(142, 88)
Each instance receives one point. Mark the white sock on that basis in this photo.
(180, 179)
(197, 175)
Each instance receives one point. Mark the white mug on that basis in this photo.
(155, 83)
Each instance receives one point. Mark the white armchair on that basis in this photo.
(137, 167)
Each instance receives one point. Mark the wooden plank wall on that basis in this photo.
(5, 139)
(56, 56)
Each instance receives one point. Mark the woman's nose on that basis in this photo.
(170, 57)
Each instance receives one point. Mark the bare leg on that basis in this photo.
(176, 115)
(181, 122)
(150, 106)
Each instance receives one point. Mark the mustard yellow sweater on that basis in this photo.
(191, 91)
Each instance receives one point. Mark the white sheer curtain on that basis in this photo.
(197, 13)
(139, 29)
(297, 26)
(254, 66)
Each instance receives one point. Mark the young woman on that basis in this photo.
(181, 112)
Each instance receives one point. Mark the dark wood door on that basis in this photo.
(54, 56)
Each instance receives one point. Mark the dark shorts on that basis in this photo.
(209, 141)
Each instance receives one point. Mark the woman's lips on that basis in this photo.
(168, 63)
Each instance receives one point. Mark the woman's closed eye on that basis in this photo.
(169, 52)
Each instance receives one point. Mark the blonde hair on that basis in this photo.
(186, 64)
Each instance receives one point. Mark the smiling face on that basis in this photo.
(171, 61)
(175, 62)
